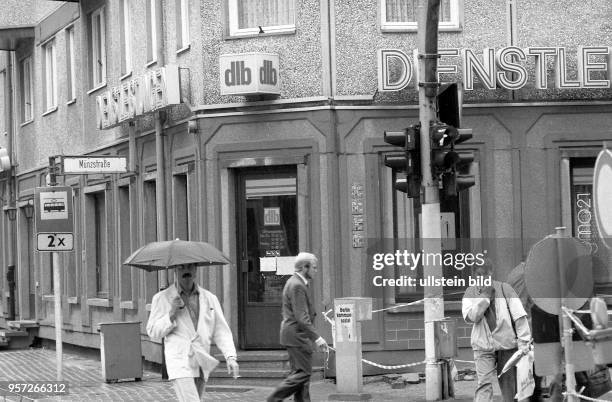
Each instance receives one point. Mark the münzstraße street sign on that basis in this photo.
(94, 164)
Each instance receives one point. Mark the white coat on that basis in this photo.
(179, 335)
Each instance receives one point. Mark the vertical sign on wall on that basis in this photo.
(357, 215)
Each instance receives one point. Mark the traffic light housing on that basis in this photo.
(446, 163)
(407, 164)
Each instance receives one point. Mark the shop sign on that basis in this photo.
(508, 67)
(141, 95)
(249, 74)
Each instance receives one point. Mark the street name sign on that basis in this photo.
(54, 222)
(94, 164)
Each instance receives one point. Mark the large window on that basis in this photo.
(97, 243)
(97, 47)
(3, 99)
(249, 17)
(182, 24)
(126, 35)
(125, 243)
(25, 86)
(402, 15)
(583, 225)
(49, 76)
(150, 233)
(70, 68)
(152, 36)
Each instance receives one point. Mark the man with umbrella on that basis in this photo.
(186, 315)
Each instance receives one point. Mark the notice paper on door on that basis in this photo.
(285, 265)
(267, 264)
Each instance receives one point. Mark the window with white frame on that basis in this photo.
(151, 31)
(3, 99)
(25, 86)
(249, 17)
(402, 15)
(126, 34)
(49, 76)
(97, 46)
(182, 24)
(70, 68)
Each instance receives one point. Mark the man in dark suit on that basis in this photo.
(297, 332)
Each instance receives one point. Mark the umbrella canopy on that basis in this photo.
(167, 254)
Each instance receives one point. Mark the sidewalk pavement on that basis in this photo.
(86, 384)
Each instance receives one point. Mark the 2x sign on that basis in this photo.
(55, 242)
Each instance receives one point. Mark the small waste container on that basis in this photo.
(120, 350)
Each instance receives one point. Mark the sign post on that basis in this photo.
(55, 233)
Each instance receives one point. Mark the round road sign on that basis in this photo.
(602, 196)
(542, 274)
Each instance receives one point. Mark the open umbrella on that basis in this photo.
(167, 254)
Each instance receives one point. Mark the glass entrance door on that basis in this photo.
(268, 241)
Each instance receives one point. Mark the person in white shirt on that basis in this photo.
(500, 326)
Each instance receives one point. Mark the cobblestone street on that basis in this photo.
(85, 383)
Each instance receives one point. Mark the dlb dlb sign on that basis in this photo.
(249, 74)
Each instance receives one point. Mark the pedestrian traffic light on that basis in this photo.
(407, 164)
(452, 166)
(443, 157)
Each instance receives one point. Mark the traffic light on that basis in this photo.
(452, 166)
(407, 164)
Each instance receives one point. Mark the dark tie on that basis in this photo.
(490, 313)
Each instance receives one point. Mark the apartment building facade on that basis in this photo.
(263, 135)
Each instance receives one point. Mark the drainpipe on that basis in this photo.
(160, 117)
(11, 183)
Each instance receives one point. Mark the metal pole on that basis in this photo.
(57, 295)
(565, 324)
(160, 187)
(430, 223)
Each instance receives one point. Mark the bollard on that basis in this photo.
(445, 348)
(348, 314)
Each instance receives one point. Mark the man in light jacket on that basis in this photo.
(499, 326)
(190, 318)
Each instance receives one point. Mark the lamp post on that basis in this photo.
(11, 213)
(28, 211)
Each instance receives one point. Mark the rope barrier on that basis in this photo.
(586, 398)
(463, 361)
(382, 366)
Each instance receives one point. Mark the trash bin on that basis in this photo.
(120, 350)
